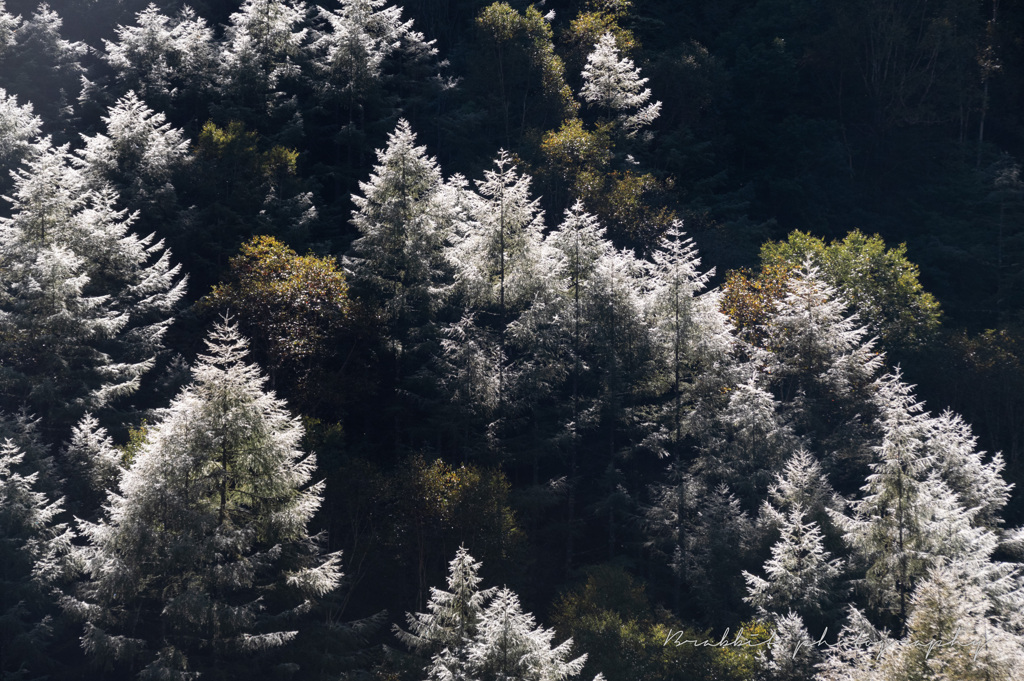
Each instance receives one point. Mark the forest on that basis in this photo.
(611, 340)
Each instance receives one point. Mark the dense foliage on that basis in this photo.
(304, 304)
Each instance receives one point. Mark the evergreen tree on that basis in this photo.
(791, 655)
(18, 128)
(361, 37)
(203, 558)
(139, 156)
(32, 547)
(91, 465)
(822, 370)
(908, 518)
(800, 575)
(509, 645)
(404, 217)
(264, 48)
(801, 484)
(77, 282)
(977, 483)
(615, 86)
(166, 60)
(41, 67)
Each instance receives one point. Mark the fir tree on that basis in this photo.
(800, 576)
(78, 283)
(138, 157)
(203, 558)
(615, 86)
(264, 47)
(18, 128)
(32, 548)
(166, 60)
(509, 645)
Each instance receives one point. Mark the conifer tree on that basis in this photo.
(908, 518)
(362, 36)
(404, 217)
(91, 465)
(77, 282)
(41, 67)
(264, 48)
(822, 368)
(483, 634)
(497, 255)
(800, 575)
(203, 557)
(615, 86)
(791, 655)
(509, 645)
(166, 60)
(32, 547)
(18, 128)
(138, 157)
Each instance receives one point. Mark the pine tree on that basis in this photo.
(166, 60)
(509, 645)
(800, 575)
(264, 48)
(32, 547)
(615, 86)
(497, 256)
(451, 621)
(138, 157)
(78, 283)
(203, 555)
(404, 217)
(18, 128)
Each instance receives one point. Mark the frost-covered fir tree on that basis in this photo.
(203, 557)
(32, 547)
(977, 482)
(497, 258)
(478, 634)
(952, 633)
(615, 87)
(801, 575)
(91, 465)
(78, 283)
(822, 367)
(18, 128)
(41, 67)
(138, 156)
(791, 655)
(164, 59)
(355, 43)
(404, 216)
(692, 337)
(801, 483)
(907, 519)
(743, 442)
(509, 645)
(450, 623)
(264, 47)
